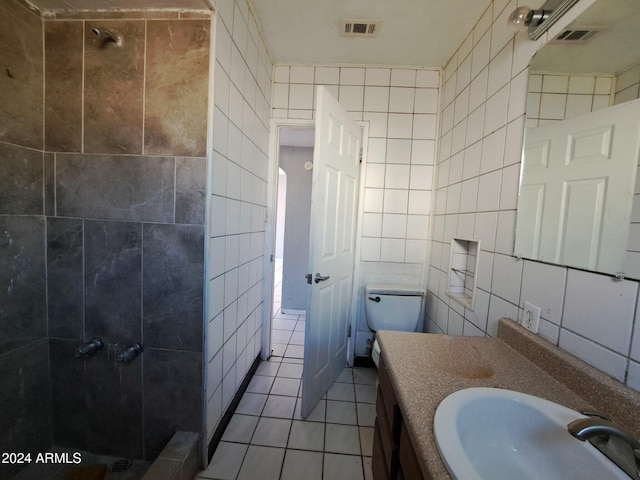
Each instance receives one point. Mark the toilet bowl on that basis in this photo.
(392, 307)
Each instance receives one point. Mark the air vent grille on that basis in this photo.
(577, 35)
(360, 28)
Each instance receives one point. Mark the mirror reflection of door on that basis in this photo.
(578, 196)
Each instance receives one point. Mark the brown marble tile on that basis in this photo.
(143, 14)
(113, 87)
(21, 75)
(63, 86)
(176, 91)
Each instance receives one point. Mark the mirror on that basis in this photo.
(578, 203)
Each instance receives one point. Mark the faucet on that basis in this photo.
(129, 353)
(586, 428)
(617, 444)
(90, 348)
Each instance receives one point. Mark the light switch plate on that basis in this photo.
(531, 317)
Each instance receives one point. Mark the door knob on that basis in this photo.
(319, 278)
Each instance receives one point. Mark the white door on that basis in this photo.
(336, 163)
(577, 188)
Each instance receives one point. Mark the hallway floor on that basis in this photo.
(267, 439)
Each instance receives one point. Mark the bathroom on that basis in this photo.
(74, 191)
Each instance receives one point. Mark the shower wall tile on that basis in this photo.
(115, 187)
(191, 188)
(68, 394)
(49, 184)
(114, 404)
(65, 278)
(113, 87)
(21, 180)
(113, 262)
(64, 43)
(172, 382)
(22, 285)
(173, 294)
(177, 66)
(25, 422)
(21, 79)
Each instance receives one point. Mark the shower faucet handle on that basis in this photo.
(129, 353)
(90, 348)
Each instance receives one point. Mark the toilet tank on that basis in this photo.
(393, 307)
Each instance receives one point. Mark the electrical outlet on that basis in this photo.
(531, 317)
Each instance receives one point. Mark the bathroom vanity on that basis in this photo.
(417, 371)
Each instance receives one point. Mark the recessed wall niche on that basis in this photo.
(463, 267)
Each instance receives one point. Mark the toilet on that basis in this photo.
(392, 307)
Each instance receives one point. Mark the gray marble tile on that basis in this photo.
(114, 404)
(64, 43)
(21, 82)
(21, 180)
(65, 289)
(22, 281)
(25, 422)
(115, 187)
(176, 89)
(191, 189)
(113, 262)
(68, 398)
(113, 88)
(172, 396)
(173, 266)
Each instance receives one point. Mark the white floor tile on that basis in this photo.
(342, 439)
(260, 384)
(294, 351)
(285, 386)
(342, 467)
(317, 415)
(226, 461)
(306, 436)
(367, 467)
(269, 368)
(240, 428)
(251, 403)
(366, 393)
(302, 465)
(279, 323)
(341, 391)
(346, 376)
(279, 407)
(290, 370)
(366, 440)
(271, 432)
(341, 412)
(262, 463)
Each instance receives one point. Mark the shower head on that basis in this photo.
(107, 37)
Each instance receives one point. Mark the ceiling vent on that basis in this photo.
(577, 35)
(360, 28)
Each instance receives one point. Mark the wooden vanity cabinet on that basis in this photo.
(393, 454)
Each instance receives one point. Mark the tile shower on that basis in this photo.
(102, 210)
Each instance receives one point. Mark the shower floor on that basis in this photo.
(53, 471)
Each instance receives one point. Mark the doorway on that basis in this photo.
(293, 208)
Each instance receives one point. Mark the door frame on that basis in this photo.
(270, 231)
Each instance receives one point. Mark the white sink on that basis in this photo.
(494, 434)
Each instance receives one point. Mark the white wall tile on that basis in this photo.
(426, 100)
(378, 76)
(601, 308)
(396, 176)
(373, 199)
(403, 77)
(419, 202)
(376, 99)
(499, 308)
(401, 99)
(397, 201)
(399, 150)
(351, 76)
(392, 250)
(544, 285)
(302, 75)
(400, 126)
(424, 126)
(489, 191)
(507, 278)
(594, 354)
(370, 249)
(428, 78)
(394, 225)
(301, 96)
(327, 75)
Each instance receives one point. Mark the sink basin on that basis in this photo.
(494, 434)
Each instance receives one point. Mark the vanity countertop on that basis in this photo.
(426, 368)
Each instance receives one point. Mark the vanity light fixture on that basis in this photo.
(538, 21)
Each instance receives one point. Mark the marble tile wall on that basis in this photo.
(102, 212)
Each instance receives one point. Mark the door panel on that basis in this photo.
(336, 166)
(577, 188)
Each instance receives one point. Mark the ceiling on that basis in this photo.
(411, 33)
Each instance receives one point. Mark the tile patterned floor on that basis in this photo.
(267, 439)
